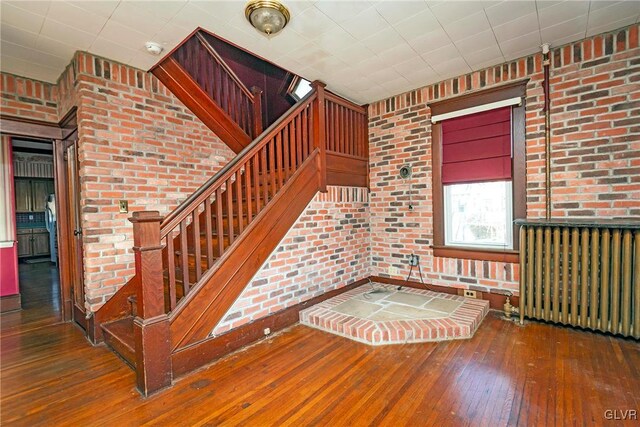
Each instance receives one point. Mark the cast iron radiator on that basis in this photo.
(579, 273)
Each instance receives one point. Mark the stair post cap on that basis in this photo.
(145, 216)
(318, 83)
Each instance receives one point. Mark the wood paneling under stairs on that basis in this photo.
(505, 375)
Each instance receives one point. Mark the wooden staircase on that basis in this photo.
(191, 265)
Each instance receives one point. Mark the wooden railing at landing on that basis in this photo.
(323, 129)
(221, 84)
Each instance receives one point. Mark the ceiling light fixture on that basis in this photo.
(153, 48)
(267, 16)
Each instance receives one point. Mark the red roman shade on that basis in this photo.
(477, 147)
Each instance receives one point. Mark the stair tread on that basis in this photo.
(119, 336)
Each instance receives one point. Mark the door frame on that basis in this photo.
(56, 132)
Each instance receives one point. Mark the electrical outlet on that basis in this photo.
(469, 293)
(393, 271)
(414, 260)
(267, 331)
(123, 205)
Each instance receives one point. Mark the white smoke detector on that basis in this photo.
(153, 48)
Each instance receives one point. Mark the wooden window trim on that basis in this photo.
(519, 196)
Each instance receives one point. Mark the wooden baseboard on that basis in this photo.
(195, 356)
(10, 303)
(496, 300)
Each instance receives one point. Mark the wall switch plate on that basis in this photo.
(414, 260)
(393, 271)
(469, 293)
(124, 206)
(267, 331)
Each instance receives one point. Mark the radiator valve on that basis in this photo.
(508, 309)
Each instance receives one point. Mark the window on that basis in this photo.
(478, 176)
(300, 88)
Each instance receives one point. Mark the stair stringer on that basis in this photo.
(203, 308)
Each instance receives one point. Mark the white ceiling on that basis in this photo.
(364, 50)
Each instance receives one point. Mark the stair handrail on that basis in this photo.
(185, 208)
(224, 66)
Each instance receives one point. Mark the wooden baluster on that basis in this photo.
(256, 181)
(257, 111)
(272, 167)
(208, 229)
(248, 192)
(219, 222)
(292, 147)
(264, 178)
(151, 325)
(184, 256)
(296, 138)
(285, 156)
(239, 205)
(229, 191)
(319, 129)
(278, 150)
(171, 266)
(305, 132)
(195, 222)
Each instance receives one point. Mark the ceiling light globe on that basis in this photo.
(267, 16)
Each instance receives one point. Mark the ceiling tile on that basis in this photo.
(365, 23)
(451, 68)
(393, 11)
(37, 7)
(32, 55)
(512, 29)
(422, 76)
(614, 12)
(76, 17)
(108, 49)
(20, 18)
(479, 41)
(336, 38)
(562, 12)
(104, 8)
(133, 17)
(383, 40)
(17, 35)
(441, 54)
(171, 35)
(67, 35)
(522, 53)
(592, 31)
(340, 11)
(564, 29)
(451, 11)
(13, 65)
(411, 65)
(353, 53)
(123, 35)
(311, 23)
(417, 25)
(468, 26)
(161, 9)
(398, 53)
(506, 11)
(43, 73)
(483, 56)
(398, 85)
(192, 16)
(54, 47)
(430, 41)
(520, 43)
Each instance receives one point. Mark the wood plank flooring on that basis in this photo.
(505, 375)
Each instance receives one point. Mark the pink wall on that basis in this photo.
(8, 255)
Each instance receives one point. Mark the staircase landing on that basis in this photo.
(380, 314)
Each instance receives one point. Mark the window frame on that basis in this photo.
(518, 163)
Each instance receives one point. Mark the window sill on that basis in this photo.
(507, 255)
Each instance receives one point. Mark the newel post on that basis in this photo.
(151, 325)
(319, 133)
(257, 111)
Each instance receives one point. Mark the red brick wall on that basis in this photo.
(326, 249)
(137, 142)
(22, 97)
(595, 86)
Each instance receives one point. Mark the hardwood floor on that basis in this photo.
(505, 375)
(40, 292)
